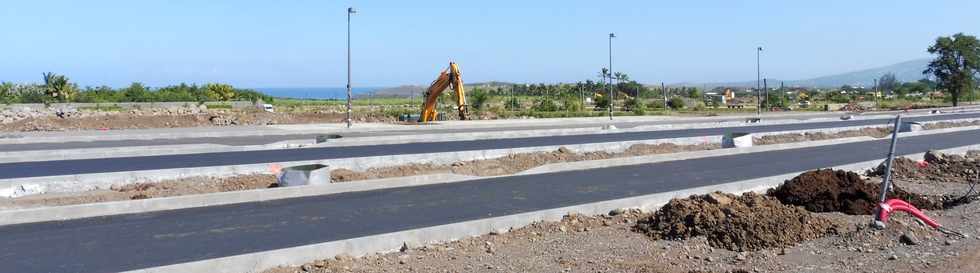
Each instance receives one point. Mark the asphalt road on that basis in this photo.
(127, 242)
(266, 139)
(123, 164)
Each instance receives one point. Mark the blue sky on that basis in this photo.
(301, 43)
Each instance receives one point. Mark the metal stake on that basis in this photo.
(886, 183)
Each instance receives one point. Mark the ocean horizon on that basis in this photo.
(314, 92)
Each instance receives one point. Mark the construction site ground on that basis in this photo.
(173, 118)
(511, 164)
(723, 233)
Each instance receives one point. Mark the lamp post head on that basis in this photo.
(351, 10)
(612, 35)
(759, 48)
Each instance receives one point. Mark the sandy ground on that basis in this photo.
(620, 242)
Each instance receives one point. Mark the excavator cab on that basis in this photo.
(448, 78)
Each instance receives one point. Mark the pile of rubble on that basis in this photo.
(740, 223)
(936, 166)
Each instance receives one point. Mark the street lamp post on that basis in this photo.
(612, 95)
(350, 120)
(758, 78)
(877, 105)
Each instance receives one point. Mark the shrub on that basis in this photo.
(545, 105)
(676, 103)
(572, 104)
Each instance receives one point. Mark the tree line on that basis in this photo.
(58, 88)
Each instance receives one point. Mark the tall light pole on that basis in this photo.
(758, 78)
(350, 11)
(876, 94)
(612, 95)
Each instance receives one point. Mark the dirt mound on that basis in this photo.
(876, 132)
(937, 167)
(512, 163)
(949, 124)
(740, 223)
(196, 185)
(840, 191)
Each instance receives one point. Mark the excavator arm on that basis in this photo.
(448, 78)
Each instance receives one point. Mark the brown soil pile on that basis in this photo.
(939, 167)
(950, 124)
(840, 191)
(876, 132)
(748, 222)
(512, 163)
(186, 186)
(197, 186)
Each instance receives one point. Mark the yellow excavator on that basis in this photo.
(449, 77)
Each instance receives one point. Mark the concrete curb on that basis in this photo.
(88, 153)
(390, 242)
(57, 213)
(82, 182)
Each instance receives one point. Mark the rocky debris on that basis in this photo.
(876, 132)
(935, 157)
(908, 239)
(949, 124)
(222, 121)
(828, 190)
(23, 119)
(937, 167)
(748, 222)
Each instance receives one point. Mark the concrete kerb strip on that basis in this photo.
(390, 242)
(16, 216)
(88, 153)
(83, 182)
(272, 130)
(16, 187)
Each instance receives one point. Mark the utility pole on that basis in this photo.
(758, 78)
(876, 94)
(663, 87)
(350, 110)
(612, 95)
(765, 86)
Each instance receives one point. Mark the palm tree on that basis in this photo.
(57, 86)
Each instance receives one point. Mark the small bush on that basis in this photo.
(545, 105)
(676, 103)
(572, 104)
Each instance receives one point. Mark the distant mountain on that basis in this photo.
(904, 71)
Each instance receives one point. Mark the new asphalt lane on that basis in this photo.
(123, 164)
(127, 242)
